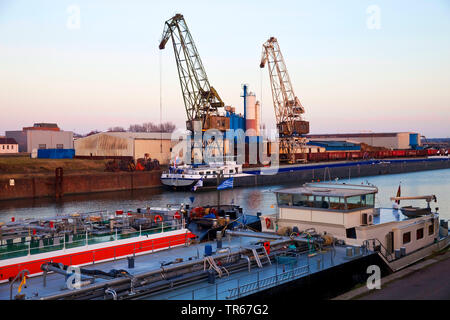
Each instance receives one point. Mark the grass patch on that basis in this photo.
(28, 166)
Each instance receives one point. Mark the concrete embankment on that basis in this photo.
(343, 170)
(49, 186)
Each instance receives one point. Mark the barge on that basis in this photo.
(82, 239)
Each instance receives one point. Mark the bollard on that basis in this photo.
(130, 262)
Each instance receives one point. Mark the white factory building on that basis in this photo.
(394, 140)
(41, 136)
(126, 144)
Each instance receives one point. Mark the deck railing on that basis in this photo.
(78, 240)
(242, 285)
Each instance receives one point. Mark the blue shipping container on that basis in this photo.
(56, 153)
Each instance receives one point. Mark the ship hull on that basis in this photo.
(79, 256)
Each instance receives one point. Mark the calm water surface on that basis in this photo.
(252, 199)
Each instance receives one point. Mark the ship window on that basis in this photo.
(299, 200)
(419, 233)
(431, 229)
(351, 233)
(201, 172)
(368, 200)
(354, 202)
(284, 199)
(320, 202)
(208, 172)
(336, 203)
(231, 171)
(406, 237)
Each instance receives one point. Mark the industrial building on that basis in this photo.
(126, 144)
(41, 136)
(335, 145)
(8, 145)
(394, 140)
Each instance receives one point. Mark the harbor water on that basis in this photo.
(252, 200)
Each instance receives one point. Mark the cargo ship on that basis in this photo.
(200, 176)
(401, 235)
(82, 239)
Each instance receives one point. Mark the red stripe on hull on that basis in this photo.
(96, 255)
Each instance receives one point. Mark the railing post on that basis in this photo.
(217, 294)
(276, 273)
(239, 289)
(86, 238)
(140, 230)
(29, 247)
(257, 279)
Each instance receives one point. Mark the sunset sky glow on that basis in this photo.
(349, 77)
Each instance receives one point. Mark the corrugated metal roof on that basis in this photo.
(140, 135)
(8, 141)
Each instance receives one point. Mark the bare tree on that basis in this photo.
(116, 129)
(151, 127)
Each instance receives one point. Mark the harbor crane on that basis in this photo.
(288, 109)
(201, 100)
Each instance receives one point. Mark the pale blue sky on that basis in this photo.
(349, 78)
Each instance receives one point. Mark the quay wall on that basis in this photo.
(47, 186)
(331, 171)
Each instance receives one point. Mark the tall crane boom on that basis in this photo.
(288, 109)
(201, 100)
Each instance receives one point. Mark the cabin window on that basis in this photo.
(406, 237)
(354, 202)
(231, 171)
(208, 172)
(419, 233)
(351, 233)
(301, 200)
(201, 172)
(431, 229)
(320, 202)
(284, 199)
(336, 203)
(368, 200)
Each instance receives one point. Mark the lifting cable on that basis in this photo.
(160, 99)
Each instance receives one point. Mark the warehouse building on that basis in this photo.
(126, 144)
(41, 136)
(330, 145)
(395, 140)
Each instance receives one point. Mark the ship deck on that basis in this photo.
(225, 287)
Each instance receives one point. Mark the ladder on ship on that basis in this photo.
(262, 252)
